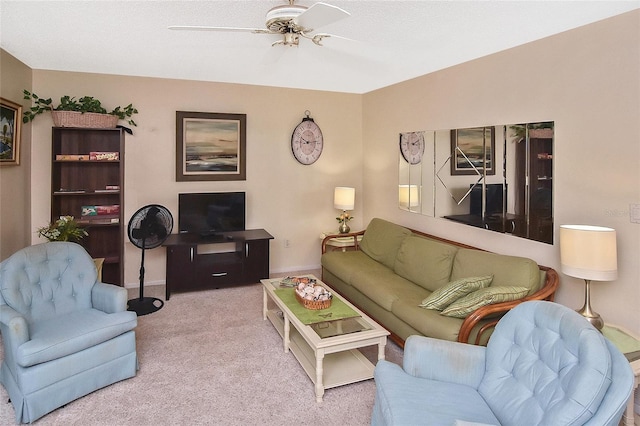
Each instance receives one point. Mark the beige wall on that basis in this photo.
(14, 180)
(289, 200)
(587, 81)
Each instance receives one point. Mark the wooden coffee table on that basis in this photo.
(327, 351)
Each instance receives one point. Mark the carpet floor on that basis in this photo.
(208, 358)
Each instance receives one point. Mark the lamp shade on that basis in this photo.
(344, 198)
(588, 252)
(408, 195)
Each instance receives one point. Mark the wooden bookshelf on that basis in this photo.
(78, 181)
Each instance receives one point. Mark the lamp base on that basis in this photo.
(344, 228)
(593, 318)
(586, 311)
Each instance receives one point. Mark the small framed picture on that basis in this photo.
(210, 146)
(10, 125)
(473, 151)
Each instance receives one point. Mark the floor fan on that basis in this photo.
(148, 228)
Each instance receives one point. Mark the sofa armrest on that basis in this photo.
(109, 298)
(355, 236)
(497, 310)
(15, 331)
(436, 359)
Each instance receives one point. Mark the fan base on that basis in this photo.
(144, 305)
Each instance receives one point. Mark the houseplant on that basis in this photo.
(64, 229)
(84, 112)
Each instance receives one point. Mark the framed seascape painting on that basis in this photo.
(210, 146)
(10, 123)
(473, 150)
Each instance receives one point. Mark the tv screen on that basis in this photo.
(211, 213)
(494, 199)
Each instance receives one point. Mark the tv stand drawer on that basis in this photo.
(212, 275)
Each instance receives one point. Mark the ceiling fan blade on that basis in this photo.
(208, 28)
(319, 15)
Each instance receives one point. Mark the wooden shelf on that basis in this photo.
(84, 182)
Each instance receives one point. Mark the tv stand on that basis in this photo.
(227, 259)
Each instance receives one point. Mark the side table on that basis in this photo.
(629, 344)
(340, 242)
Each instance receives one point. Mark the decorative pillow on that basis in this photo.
(447, 294)
(485, 296)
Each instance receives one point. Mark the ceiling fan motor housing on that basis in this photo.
(280, 18)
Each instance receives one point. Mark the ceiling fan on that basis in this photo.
(292, 21)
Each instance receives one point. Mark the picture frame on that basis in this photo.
(210, 146)
(10, 129)
(467, 155)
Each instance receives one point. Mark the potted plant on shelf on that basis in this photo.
(84, 112)
(64, 229)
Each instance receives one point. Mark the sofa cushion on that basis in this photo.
(425, 262)
(71, 333)
(462, 307)
(426, 321)
(446, 295)
(344, 264)
(384, 287)
(382, 240)
(506, 270)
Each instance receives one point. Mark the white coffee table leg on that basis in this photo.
(264, 303)
(381, 346)
(319, 373)
(287, 329)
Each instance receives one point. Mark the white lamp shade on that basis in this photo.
(344, 198)
(588, 252)
(408, 195)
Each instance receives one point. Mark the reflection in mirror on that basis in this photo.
(416, 160)
(463, 182)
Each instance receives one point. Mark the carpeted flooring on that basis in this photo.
(208, 358)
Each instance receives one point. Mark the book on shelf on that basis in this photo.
(104, 156)
(70, 191)
(72, 157)
(107, 191)
(101, 210)
(98, 220)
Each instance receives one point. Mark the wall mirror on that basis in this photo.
(496, 177)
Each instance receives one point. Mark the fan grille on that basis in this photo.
(150, 226)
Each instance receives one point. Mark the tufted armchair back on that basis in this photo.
(546, 365)
(47, 280)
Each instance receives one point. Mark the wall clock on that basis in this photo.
(412, 146)
(306, 141)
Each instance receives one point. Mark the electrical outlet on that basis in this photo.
(634, 213)
(287, 243)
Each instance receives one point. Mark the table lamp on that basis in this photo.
(344, 199)
(589, 252)
(408, 196)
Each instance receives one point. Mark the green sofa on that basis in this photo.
(394, 269)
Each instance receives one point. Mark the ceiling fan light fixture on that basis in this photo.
(280, 18)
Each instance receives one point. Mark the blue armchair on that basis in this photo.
(64, 333)
(544, 365)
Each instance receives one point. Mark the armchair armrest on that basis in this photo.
(15, 330)
(436, 359)
(109, 298)
(497, 310)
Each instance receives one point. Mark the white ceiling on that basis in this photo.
(390, 41)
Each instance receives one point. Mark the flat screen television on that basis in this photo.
(211, 213)
(494, 199)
